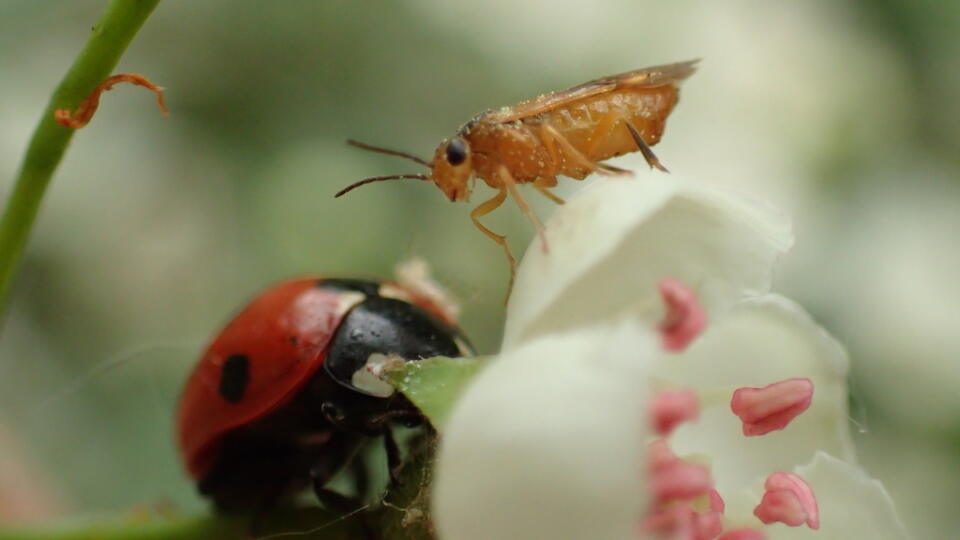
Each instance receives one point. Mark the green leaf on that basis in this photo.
(435, 384)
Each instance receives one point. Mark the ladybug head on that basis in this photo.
(388, 326)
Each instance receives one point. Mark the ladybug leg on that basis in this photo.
(337, 502)
(394, 461)
(322, 471)
(334, 414)
(410, 418)
(361, 477)
(341, 451)
(345, 506)
(371, 425)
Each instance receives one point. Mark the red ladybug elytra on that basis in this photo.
(259, 419)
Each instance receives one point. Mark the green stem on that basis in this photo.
(110, 38)
(299, 523)
(195, 527)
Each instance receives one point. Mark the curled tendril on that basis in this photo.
(84, 113)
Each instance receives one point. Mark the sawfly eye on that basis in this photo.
(456, 152)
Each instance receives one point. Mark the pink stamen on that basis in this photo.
(668, 409)
(743, 534)
(706, 525)
(671, 478)
(709, 524)
(772, 407)
(680, 481)
(685, 317)
(788, 499)
(670, 522)
(716, 501)
(675, 484)
(659, 455)
(681, 522)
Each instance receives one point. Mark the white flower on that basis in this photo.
(554, 439)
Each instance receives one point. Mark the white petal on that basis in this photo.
(852, 505)
(548, 441)
(614, 240)
(760, 341)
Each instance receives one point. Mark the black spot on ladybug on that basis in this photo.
(234, 377)
(293, 340)
(368, 288)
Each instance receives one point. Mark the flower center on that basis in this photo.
(685, 505)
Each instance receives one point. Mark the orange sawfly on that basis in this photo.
(569, 132)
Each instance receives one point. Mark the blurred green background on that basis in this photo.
(843, 113)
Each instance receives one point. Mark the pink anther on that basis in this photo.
(680, 480)
(671, 478)
(716, 501)
(659, 455)
(681, 522)
(709, 524)
(744, 534)
(772, 407)
(788, 499)
(670, 522)
(685, 317)
(706, 525)
(668, 409)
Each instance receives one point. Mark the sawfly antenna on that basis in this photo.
(372, 179)
(389, 152)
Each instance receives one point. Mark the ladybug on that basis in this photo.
(278, 401)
